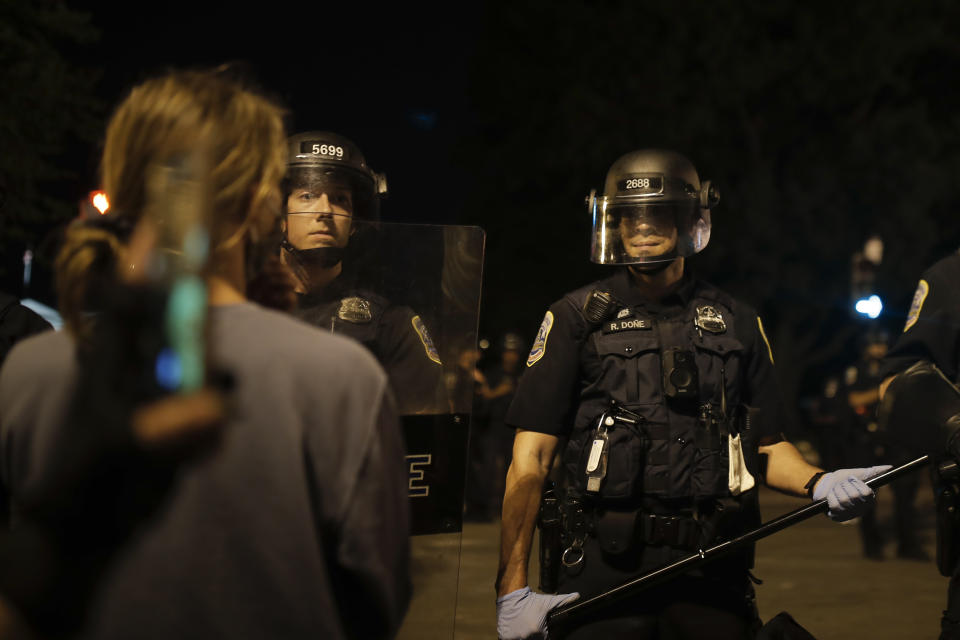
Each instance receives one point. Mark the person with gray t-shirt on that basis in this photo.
(299, 511)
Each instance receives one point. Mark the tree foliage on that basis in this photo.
(48, 105)
(821, 123)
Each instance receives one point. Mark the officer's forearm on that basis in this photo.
(521, 503)
(787, 471)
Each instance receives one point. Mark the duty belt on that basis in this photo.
(670, 531)
(643, 528)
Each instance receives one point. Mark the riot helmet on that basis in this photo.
(653, 209)
(329, 183)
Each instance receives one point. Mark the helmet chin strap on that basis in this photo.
(654, 268)
(325, 257)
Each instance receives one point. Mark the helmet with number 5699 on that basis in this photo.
(317, 158)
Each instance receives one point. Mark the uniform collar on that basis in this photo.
(626, 289)
(333, 291)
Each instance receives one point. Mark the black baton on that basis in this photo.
(561, 619)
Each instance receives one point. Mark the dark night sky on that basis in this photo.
(389, 77)
(505, 115)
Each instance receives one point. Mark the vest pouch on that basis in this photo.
(719, 357)
(711, 463)
(630, 363)
(624, 477)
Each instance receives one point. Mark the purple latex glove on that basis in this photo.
(846, 491)
(523, 613)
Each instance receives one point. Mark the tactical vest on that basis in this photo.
(678, 451)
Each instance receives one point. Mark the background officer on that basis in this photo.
(648, 374)
(867, 446)
(333, 207)
(932, 333)
(491, 437)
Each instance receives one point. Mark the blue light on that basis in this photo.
(870, 307)
(168, 370)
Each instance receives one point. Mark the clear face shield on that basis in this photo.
(346, 191)
(626, 232)
(323, 206)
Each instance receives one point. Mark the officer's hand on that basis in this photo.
(523, 613)
(846, 492)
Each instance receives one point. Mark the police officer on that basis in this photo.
(492, 442)
(333, 207)
(654, 377)
(932, 333)
(868, 446)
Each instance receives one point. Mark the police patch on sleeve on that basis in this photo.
(918, 297)
(540, 343)
(428, 345)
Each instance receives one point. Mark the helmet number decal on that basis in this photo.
(315, 148)
(640, 184)
(327, 150)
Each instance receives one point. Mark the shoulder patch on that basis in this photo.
(540, 343)
(425, 338)
(763, 334)
(918, 297)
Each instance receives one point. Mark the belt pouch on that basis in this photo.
(617, 531)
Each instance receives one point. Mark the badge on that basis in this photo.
(428, 345)
(355, 310)
(540, 343)
(626, 312)
(709, 319)
(629, 324)
(921, 294)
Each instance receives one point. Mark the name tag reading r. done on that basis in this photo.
(627, 324)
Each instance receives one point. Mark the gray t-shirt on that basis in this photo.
(296, 526)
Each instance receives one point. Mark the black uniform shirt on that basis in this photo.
(548, 392)
(396, 336)
(932, 330)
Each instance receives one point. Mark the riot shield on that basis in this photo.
(411, 295)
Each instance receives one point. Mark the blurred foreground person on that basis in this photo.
(932, 334)
(294, 523)
(653, 377)
(16, 323)
(332, 213)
